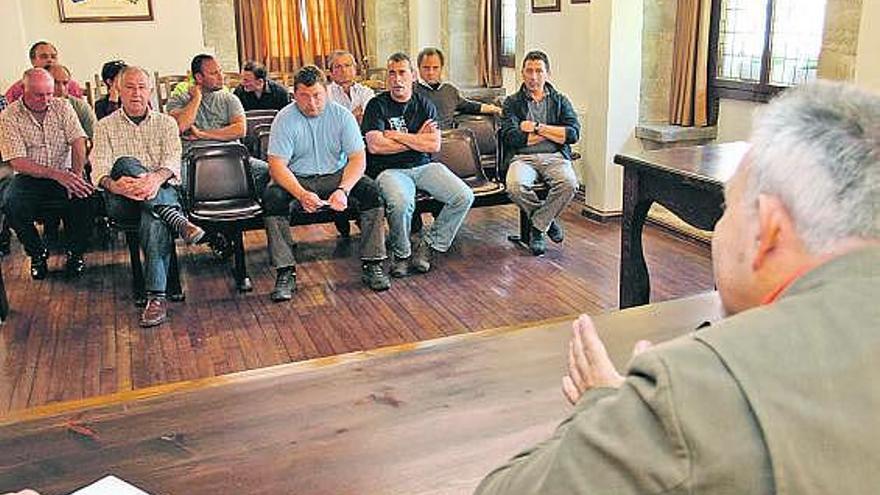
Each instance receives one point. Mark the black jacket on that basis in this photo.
(559, 112)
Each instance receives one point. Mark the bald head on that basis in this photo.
(39, 87)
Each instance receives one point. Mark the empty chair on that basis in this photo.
(164, 86)
(221, 197)
(484, 128)
(459, 152)
(254, 120)
(261, 141)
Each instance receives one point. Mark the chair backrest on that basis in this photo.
(268, 112)
(164, 86)
(458, 151)
(218, 172)
(262, 132)
(484, 128)
(251, 140)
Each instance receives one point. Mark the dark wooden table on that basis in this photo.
(429, 418)
(688, 181)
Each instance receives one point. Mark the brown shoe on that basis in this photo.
(155, 313)
(192, 233)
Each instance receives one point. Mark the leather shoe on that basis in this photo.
(421, 258)
(75, 265)
(537, 244)
(192, 233)
(155, 313)
(556, 232)
(399, 267)
(374, 277)
(285, 285)
(40, 266)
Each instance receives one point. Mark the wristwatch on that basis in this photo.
(537, 127)
(340, 188)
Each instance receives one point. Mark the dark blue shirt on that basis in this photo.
(383, 113)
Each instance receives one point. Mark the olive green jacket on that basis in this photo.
(784, 398)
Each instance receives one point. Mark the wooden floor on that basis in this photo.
(72, 340)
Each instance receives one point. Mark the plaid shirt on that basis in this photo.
(155, 142)
(46, 144)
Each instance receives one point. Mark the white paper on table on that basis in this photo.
(110, 485)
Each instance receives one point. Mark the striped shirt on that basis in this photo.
(47, 143)
(154, 142)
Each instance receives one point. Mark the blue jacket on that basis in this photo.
(559, 112)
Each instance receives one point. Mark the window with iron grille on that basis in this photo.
(508, 33)
(763, 46)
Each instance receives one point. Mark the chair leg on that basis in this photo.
(524, 236)
(138, 290)
(343, 226)
(242, 281)
(174, 289)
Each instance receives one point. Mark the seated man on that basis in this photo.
(444, 95)
(316, 159)
(208, 115)
(258, 92)
(779, 396)
(136, 160)
(401, 134)
(109, 103)
(344, 90)
(46, 146)
(537, 127)
(84, 112)
(42, 53)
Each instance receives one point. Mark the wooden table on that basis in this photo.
(688, 181)
(430, 418)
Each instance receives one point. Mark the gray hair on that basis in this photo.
(816, 148)
(335, 54)
(35, 73)
(134, 68)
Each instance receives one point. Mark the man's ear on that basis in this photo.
(773, 225)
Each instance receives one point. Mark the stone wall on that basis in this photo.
(218, 31)
(387, 29)
(658, 34)
(840, 40)
(462, 33)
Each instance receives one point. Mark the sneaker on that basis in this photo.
(192, 233)
(556, 232)
(399, 267)
(537, 244)
(285, 285)
(421, 258)
(374, 277)
(40, 266)
(75, 265)
(155, 313)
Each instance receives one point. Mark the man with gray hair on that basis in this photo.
(46, 146)
(781, 395)
(136, 160)
(343, 88)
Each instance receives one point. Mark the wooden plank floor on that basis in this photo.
(419, 419)
(72, 340)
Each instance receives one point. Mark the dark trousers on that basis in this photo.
(363, 198)
(157, 239)
(29, 199)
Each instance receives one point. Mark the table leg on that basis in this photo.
(635, 285)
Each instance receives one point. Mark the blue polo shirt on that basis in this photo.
(315, 145)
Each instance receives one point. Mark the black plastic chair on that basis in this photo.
(459, 152)
(221, 197)
(131, 229)
(261, 141)
(484, 128)
(251, 140)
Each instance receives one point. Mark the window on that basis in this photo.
(508, 33)
(763, 46)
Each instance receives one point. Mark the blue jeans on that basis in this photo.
(398, 187)
(157, 238)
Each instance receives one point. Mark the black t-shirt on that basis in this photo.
(274, 97)
(383, 113)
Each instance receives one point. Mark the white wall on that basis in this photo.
(425, 25)
(166, 44)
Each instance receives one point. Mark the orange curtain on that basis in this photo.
(287, 34)
(688, 103)
(490, 46)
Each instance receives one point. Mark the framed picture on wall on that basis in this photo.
(105, 10)
(546, 5)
